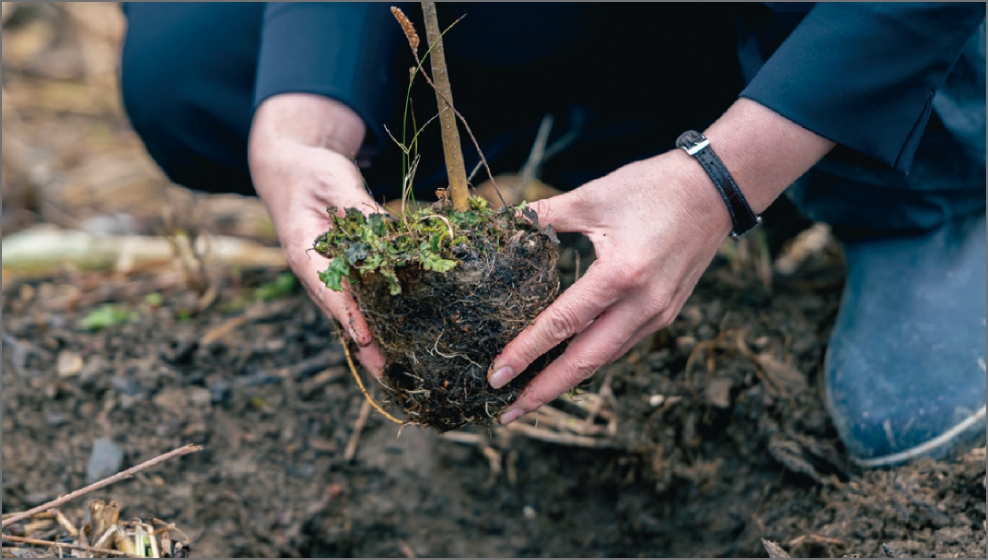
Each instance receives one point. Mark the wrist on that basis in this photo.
(699, 197)
(302, 143)
(308, 120)
(763, 151)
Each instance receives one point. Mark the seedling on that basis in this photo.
(446, 286)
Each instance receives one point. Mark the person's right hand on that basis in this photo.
(301, 162)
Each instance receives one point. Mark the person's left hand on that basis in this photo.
(655, 226)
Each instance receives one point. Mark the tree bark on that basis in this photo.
(455, 169)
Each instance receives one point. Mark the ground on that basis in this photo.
(709, 437)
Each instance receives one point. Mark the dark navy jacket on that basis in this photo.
(865, 75)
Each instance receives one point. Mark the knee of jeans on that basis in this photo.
(192, 119)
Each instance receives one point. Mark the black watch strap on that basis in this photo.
(697, 145)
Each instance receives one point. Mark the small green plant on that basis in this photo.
(154, 299)
(281, 286)
(107, 316)
(469, 277)
(380, 244)
(428, 236)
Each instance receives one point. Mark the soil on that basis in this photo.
(722, 437)
(717, 432)
(443, 328)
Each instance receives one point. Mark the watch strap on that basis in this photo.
(698, 146)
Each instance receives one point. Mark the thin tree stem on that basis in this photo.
(455, 168)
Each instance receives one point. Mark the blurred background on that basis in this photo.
(70, 158)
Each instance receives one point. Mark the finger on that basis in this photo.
(339, 305)
(372, 358)
(586, 354)
(564, 212)
(568, 315)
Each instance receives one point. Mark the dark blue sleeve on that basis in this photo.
(340, 50)
(864, 74)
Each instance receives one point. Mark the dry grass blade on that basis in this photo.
(185, 450)
(550, 436)
(774, 550)
(57, 545)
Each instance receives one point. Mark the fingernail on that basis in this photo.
(353, 334)
(501, 377)
(510, 416)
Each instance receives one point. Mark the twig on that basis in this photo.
(413, 41)
(358, 427)
(455, 168)
(66, 524)
(815, 539)
(536, 157)
(222, 330)
(406, 549)
(93, 549)
(190, 448)
(557, 437)
(774, 550)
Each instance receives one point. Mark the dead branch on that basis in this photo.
(190, 448)
(56, 545)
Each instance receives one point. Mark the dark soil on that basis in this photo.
(442, 331)
(722, 439)
(721, 435)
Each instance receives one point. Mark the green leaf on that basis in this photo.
(356, 252)
(352, 214)
(478, 203)
(434, 262)
(333, 276)
(106, 316)
(392, 281)
(377, 224)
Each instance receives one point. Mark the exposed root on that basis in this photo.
(360, 382)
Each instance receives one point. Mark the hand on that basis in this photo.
(655, 226)
(301, 163)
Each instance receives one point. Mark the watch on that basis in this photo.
(698, 146)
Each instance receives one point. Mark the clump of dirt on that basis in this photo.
(444, 298)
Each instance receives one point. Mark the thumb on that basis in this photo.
(563, 212)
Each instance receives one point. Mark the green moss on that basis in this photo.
(427, 237)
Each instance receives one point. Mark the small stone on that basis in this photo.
(105, 460)
(219, 389)
(69, 363)
(718, 392)
(528, 512)
(656, 400)
(200, 397)
(126, 385)
(56, 419)
(686, 343)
